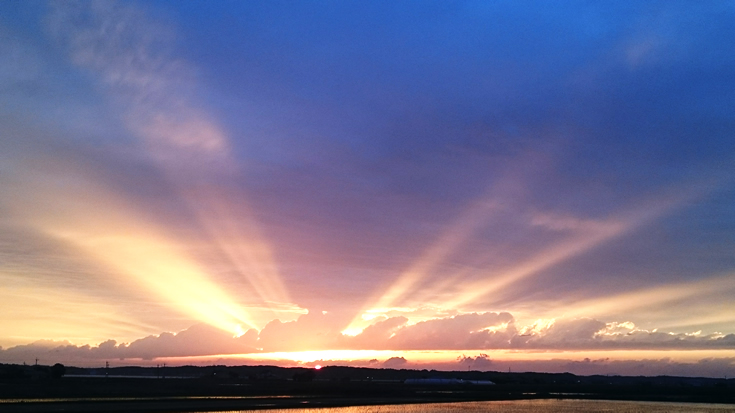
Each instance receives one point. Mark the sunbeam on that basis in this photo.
(458, 290)
(184, 141)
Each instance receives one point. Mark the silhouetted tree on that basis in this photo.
(57, 371)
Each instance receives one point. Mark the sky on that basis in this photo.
(445, 184)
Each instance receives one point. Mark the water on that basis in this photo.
(523, 406)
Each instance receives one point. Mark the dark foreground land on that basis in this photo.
(220, 388)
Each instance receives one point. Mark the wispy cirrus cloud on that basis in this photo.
(131, 55)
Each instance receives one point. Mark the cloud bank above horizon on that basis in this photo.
(181, 180)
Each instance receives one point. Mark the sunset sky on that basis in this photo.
(542, 186)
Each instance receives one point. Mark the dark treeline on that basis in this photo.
(334, 385)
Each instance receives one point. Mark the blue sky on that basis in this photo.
(170, 164)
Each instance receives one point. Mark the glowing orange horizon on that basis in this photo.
(418, 357)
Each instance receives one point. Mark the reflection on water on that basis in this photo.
(138, 399)
(523, 406)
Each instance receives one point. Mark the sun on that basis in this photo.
(317, 367)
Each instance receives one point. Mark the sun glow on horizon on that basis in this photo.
(449, 358)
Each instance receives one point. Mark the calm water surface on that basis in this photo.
(522, 406)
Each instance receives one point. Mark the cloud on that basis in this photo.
(476, 330)
(463, 331)
(131, 55)
(317, 331)
(312, 331)
(197, 340)
(564, 332)
(588, 333)
(379, 332)
(52, 351)
(481, 362)
(499, 331)
(395, 362)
